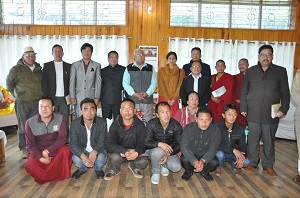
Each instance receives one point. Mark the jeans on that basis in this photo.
(116, 160)
(230, 158)
(155, 155)
(99, 162)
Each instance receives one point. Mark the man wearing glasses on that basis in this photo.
(195, 82)
(24, 83)
(264, 84)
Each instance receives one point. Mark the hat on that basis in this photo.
(28, 49)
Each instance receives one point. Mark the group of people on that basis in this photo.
(207, 131)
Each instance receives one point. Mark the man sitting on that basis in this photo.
(46, 137)
(125, 141)
(199, 144)
(87, 140)
(163, 142)
(233, 141)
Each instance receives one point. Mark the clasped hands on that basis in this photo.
(140, 95)
(240, 158)
(45, 159)
(131, 154)
(89, 161)
(168, 149)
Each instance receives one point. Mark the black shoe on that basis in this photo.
(77, 174)
(207, 177)
(186, 176)
(99, 174)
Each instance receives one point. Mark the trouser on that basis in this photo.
(62, 108)
(147, 109)
(110, 111)
(24, 111)
(230, 158)
(116, 160)
(208, 167)
(98, 165)
(155, 155)
(267, 132)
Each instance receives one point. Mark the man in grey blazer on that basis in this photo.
(85, 79)
(264, 84)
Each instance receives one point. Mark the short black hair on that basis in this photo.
(87, 100)
(47, 98)
(112, 52)
(161, 104)
(84, 46)
(127, 100)
(244, 59)
(191, 92)
(171, 53)
(229, 106)
(265, 47)
(56, 45)
(204, 110)
(193, 61)
(220, 60)
(196, 48)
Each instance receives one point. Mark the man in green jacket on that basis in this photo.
(24, 83)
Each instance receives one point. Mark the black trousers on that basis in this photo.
(109, 110)
(208, 167)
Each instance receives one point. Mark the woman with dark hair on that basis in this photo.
(169, 80)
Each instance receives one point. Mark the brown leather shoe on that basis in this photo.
(271, 171)
(249, 167)
(296, 178)
(236, 171)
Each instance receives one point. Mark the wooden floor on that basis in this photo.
(15, 182)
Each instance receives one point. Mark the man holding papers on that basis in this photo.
(264, 84)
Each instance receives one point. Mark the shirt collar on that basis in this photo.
(144, 65)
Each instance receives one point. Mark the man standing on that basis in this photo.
(55, 82)
(139, 82)
(238, 83)
(196, 82)
(111, 91)
(264, 84)
(87, 140)
(46, 137)
(196, 56)
(199, 144)
(163, 142)
(85, 78)
(233, 141)
(125, 141)
(24, 83)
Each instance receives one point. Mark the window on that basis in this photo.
(251, 14)
(63, 12)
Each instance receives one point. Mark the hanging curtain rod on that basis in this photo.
(219, 40)
(73, 36)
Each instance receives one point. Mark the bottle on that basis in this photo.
(246, 133)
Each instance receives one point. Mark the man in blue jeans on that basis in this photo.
(233, 141)
(87, 140)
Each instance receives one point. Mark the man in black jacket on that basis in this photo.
(125, 142)
(163, 142)
(233, 141)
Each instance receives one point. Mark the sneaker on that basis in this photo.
(186, 176)
(207, 176)
(110, 175)
(99, 174)
(155, 178)
(77, 174)
(218, 172)
(136, 172)
(164, 171)
(23, 153)
(236, 171)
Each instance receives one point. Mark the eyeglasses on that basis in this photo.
(196, 66)
(266, 55)
(139, 54)
(195, 99)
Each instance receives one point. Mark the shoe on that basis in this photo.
(186, 176)
(136, 172)
(155, 178)
(23, 153)
(296, 178)
(77, 174)
(164, 171)
(207, 176)
(271, 171)
(249, 167)
(99, 174)
(110, 175)
(236, 171)
(218, 172)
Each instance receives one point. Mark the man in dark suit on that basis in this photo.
(55, 82)
(111, 91)
(195, 82)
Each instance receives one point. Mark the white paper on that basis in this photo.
(219, 92)
(274, 109)
(67, 99)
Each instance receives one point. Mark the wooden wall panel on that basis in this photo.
(150, 29)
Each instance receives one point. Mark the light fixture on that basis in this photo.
(149, 10)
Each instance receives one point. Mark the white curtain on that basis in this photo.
(12, 47)
(231, 52)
